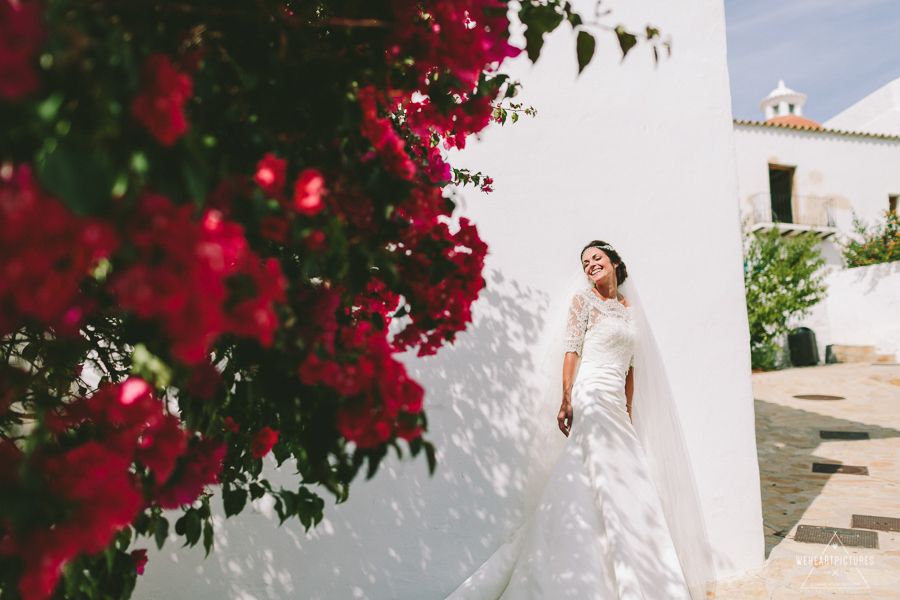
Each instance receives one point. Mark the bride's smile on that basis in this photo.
(598, 267)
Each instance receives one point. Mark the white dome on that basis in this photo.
(782, 101)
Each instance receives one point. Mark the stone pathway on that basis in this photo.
(788, 442)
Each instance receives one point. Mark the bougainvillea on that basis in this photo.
(873, 245)
(220, 224)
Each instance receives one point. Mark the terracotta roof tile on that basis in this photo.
(818, 128)
(795, 121)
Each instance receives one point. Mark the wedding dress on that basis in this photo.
(599, 530)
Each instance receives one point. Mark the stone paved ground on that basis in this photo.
(788, 442)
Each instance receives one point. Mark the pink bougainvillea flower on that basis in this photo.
(271, 173)
(132, 389)
(202, 465)
(387, 143)
(21, 36)
(46, 252)
(308, 190)
(181, 277)
(263, 441)
(229, 425)
(159, 106)
(140, 559)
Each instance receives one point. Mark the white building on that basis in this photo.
(797, 175)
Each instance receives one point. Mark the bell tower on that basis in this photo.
(782, 102)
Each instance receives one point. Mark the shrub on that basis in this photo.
(783, 278)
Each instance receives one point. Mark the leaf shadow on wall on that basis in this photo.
(403, 534)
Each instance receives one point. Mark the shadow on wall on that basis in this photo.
(788, 442)
(496, 443)
(403, 534)
(874, 274)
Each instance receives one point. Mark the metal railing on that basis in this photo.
(783, 208)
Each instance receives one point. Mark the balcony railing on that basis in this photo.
(793, 214)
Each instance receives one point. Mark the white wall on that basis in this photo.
(862, 309)
(639, 155)
(859, 173)
(879, 112)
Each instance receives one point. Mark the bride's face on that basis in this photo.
(597, 266)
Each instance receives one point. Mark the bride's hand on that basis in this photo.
(565, 418)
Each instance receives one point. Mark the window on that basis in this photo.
(791, 108)
(892, 202)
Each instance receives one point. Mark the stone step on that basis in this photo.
(843, 353)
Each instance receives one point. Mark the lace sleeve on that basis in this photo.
(576, 324)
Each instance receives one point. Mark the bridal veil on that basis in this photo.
(659, 429)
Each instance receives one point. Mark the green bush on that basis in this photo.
(783, 278)
(880, 244)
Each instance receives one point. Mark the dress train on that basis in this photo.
(598, 532)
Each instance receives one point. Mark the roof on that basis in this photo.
(820, 129)
(795, 120)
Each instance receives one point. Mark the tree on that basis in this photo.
(880, 244)
(783, 278)
(210, 214)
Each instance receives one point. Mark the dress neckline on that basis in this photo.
(607, 300)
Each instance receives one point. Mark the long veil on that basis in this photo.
(658, 428)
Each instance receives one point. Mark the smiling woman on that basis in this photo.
(592, 253)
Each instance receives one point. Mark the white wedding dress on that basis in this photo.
(598, 532)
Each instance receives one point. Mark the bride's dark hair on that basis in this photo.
(621, 271)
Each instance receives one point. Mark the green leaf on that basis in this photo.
(208, 537)
(149, 367)
(31, 351)
(192, 527)
(539, 19)
(584, 46)
(256, 491)
(80, 176)
(626, 40)
(234, 500)
(180, 525)
(281, 452)
(431, 456)
(161, 531)
(573, 17)
(290, 504)
(374, 460)
(47, 109)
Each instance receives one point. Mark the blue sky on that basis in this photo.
(834, 51)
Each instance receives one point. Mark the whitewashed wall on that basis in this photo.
(862, 309)
(639, 155)
(858, 172)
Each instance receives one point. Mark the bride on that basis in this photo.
(619, 517)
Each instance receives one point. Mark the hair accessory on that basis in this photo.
(603, 247)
